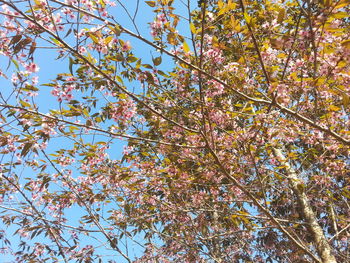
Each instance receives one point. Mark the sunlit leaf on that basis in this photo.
(185, 46)
(151, 3)
(281, 15)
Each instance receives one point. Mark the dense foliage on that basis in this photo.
(233, 115)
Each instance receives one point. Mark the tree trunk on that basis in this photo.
(323, 248)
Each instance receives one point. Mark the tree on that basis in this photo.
(236, 124)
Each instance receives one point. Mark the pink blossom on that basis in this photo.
(82, 50)
(14, 78)
(127, 149)
(32, 68)
(35, 80)
(126, 46)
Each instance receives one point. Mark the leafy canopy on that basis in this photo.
(233, 115)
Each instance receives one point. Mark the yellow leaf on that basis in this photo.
(193, 28)
(241, 60)
(151, 3)
(119, 79)
(346, 44)
(238, 28)
(342, 64)
(321, 81)
(24, 104)
(93, 37)
(346, 99)
(171, 38)
(102, 3)
(328, 2)
(231, 5)
(234, 22)
(38, 2)
(340, 15)
(341, 4)
(333, 108)
(329, 50)
(122, 96)
(185, 46)
(108, 40)
(220, 4)
(247, 18)
(222, 11)
(281, 15)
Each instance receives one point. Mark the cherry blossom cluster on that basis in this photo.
(158, 25)
(123, 111)
(63, 92)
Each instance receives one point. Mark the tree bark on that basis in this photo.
(323, 248)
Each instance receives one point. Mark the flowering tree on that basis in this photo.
(234, 117)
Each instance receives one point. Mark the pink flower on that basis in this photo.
(14, 78)
(127, 150)
(67, 96)
(82, 50)
(32, 67)
(35, 80)
(126, 46)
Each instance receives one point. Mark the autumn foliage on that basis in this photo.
(233, 115)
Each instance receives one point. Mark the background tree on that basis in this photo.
(237, 130)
